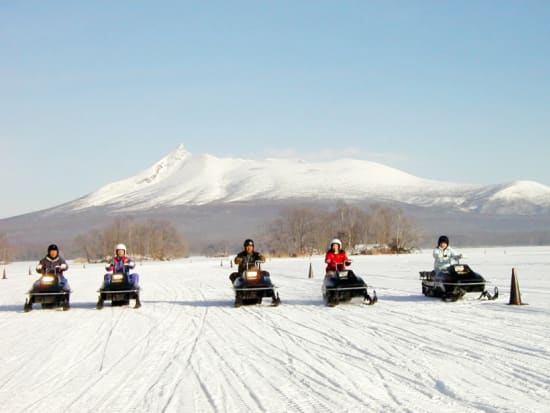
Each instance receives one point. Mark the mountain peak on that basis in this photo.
(180, 152)
(166, 166)
(523, 190)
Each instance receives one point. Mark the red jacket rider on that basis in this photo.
(336, 257)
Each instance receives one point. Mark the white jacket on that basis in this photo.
(444, 258)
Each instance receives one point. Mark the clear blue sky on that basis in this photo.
(92, 92)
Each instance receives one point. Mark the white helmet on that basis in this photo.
(335, 241)
(120, 247)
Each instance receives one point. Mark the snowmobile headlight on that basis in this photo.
(117, 278)
(343, 274)
(48, 279)
(252, 275)
(459, 268)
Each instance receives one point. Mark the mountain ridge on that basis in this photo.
(181, 178)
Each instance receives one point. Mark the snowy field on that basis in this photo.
(188, 350)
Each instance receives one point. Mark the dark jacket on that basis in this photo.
(48, 263)
(242, 259)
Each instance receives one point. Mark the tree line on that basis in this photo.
(303, 231)
(297, 231)
(6, 249)
(153, 239)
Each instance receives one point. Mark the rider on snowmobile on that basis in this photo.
(335, 258)
(54, 262)
(245, 257)
(444, 256)
(121, 263)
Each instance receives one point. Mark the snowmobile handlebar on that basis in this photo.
(253, 265)
(346, 263)
(45, 270)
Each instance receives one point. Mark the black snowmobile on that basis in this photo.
(49, 292)
(119, 291)
(252, 285)
(343, 285)
(454, 283)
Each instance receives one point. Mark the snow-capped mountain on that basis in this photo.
(182, 178)
(519, 197)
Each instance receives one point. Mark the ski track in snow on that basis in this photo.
(188, 349)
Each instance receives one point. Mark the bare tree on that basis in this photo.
(152, 239)
(6, 249)
(300, 223)
(381, 225)
(406, 233)
(351, 225)
(292, 233)
(302, 231)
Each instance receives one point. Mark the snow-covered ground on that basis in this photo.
(187, 349)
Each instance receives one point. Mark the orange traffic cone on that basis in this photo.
(310, 272)
(515, 295)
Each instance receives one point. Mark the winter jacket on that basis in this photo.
(48, 263)
(117, 265)
(333, 259)
(444, 258)
(243, 258)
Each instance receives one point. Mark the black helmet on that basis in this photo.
(443, 238)
(52, 247)
(248, 241)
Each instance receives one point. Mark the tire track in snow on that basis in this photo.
(241, 394)
(452, 349)
(319, 380)
(189, 353)
(344, 362)
(109, 335)
(290, 403)
(233, 372)
(256, 346)
(160, 359)
(61, 377)
(141, 352)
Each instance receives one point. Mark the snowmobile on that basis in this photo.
(453, 283)
(343, 285)
(119, 291)
(48, 292)
(252, 285)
